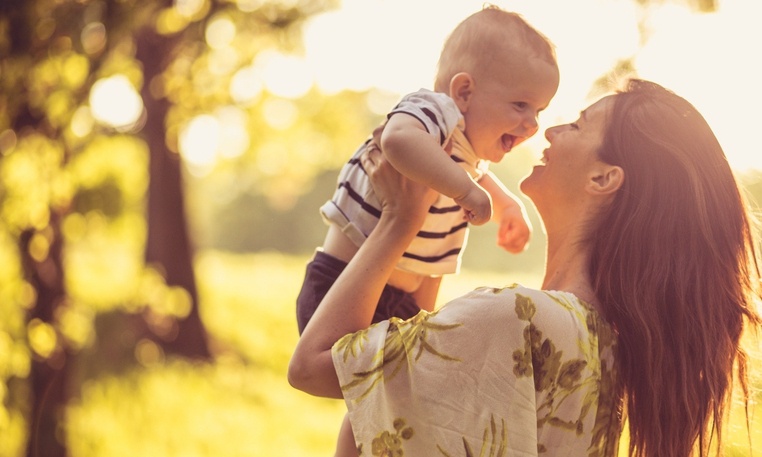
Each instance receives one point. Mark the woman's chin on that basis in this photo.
(527, 184)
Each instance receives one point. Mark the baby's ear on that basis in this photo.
(461, 90)
(605, 179)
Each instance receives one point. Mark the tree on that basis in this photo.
(55, 53)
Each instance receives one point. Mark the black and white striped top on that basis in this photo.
(354, 208)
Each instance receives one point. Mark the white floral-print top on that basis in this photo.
(498, 372)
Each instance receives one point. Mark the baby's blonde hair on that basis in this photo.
(486, 37)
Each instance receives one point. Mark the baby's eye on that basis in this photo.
(521, 105)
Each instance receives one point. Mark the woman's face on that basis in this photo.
(569, 162)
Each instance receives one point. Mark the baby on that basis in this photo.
(496, 73)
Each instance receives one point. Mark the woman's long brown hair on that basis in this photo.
(674, 268)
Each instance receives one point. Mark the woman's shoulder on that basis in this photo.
(522, 297)
(555, 311)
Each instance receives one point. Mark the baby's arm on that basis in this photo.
(515, 228)
(426, 294)
(415, 154)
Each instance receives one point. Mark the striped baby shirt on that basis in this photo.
(354, 208)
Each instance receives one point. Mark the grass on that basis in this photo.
(242, 405)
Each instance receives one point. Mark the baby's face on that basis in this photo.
(504, 106)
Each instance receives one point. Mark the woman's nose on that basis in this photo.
(550, 133)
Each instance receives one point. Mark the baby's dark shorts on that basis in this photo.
(323, 271)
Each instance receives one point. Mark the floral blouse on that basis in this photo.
(497, 372)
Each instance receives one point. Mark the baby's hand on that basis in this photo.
(515, 230)
(476, 204)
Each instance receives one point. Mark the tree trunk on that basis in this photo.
(168, 246)
(47, 378)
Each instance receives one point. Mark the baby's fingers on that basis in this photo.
(476, 217)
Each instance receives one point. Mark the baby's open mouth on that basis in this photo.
(507, 141)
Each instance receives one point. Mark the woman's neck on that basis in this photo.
(567, 265)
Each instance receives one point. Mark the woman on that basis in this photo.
(650, 279)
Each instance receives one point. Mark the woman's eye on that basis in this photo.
(574, 126)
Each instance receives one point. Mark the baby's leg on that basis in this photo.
(346, 447)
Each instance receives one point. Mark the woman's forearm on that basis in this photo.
(349, 305)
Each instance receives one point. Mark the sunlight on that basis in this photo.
(379, 100)
(286, 76)
(148, 353)
(223, 61)
(403, 61)
(210, 136)
(280, 114)
(715, 72)
(93, 37)
(188, 8)
(199, 140)
(42, 337)
(8, 140)
(234, 136)
(220, 32)
(115, 102)
(246, 86)
(82, 122)
(391, 48)
(701, 56)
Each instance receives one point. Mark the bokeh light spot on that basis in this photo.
(246, 86)
(115, 102)
(76, 325)
(223, 61)
(8, 141)
(74, 226)
(93, 37)
(42, 337)
(82, 122)
(220, 32)
(234, 137)
(199, 140)
(39, 246)
(284, 75)
(148, 353)
(188, 8)
(280, 114)
(248, 6)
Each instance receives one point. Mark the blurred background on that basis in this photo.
(161, 167)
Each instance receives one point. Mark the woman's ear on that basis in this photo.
(461, 90)
(605, 179)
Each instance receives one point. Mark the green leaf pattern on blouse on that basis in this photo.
(409, 339)
(573, 396)
(490, 447)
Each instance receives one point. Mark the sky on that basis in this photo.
(710, 59)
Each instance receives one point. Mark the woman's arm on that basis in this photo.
(349, 304)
